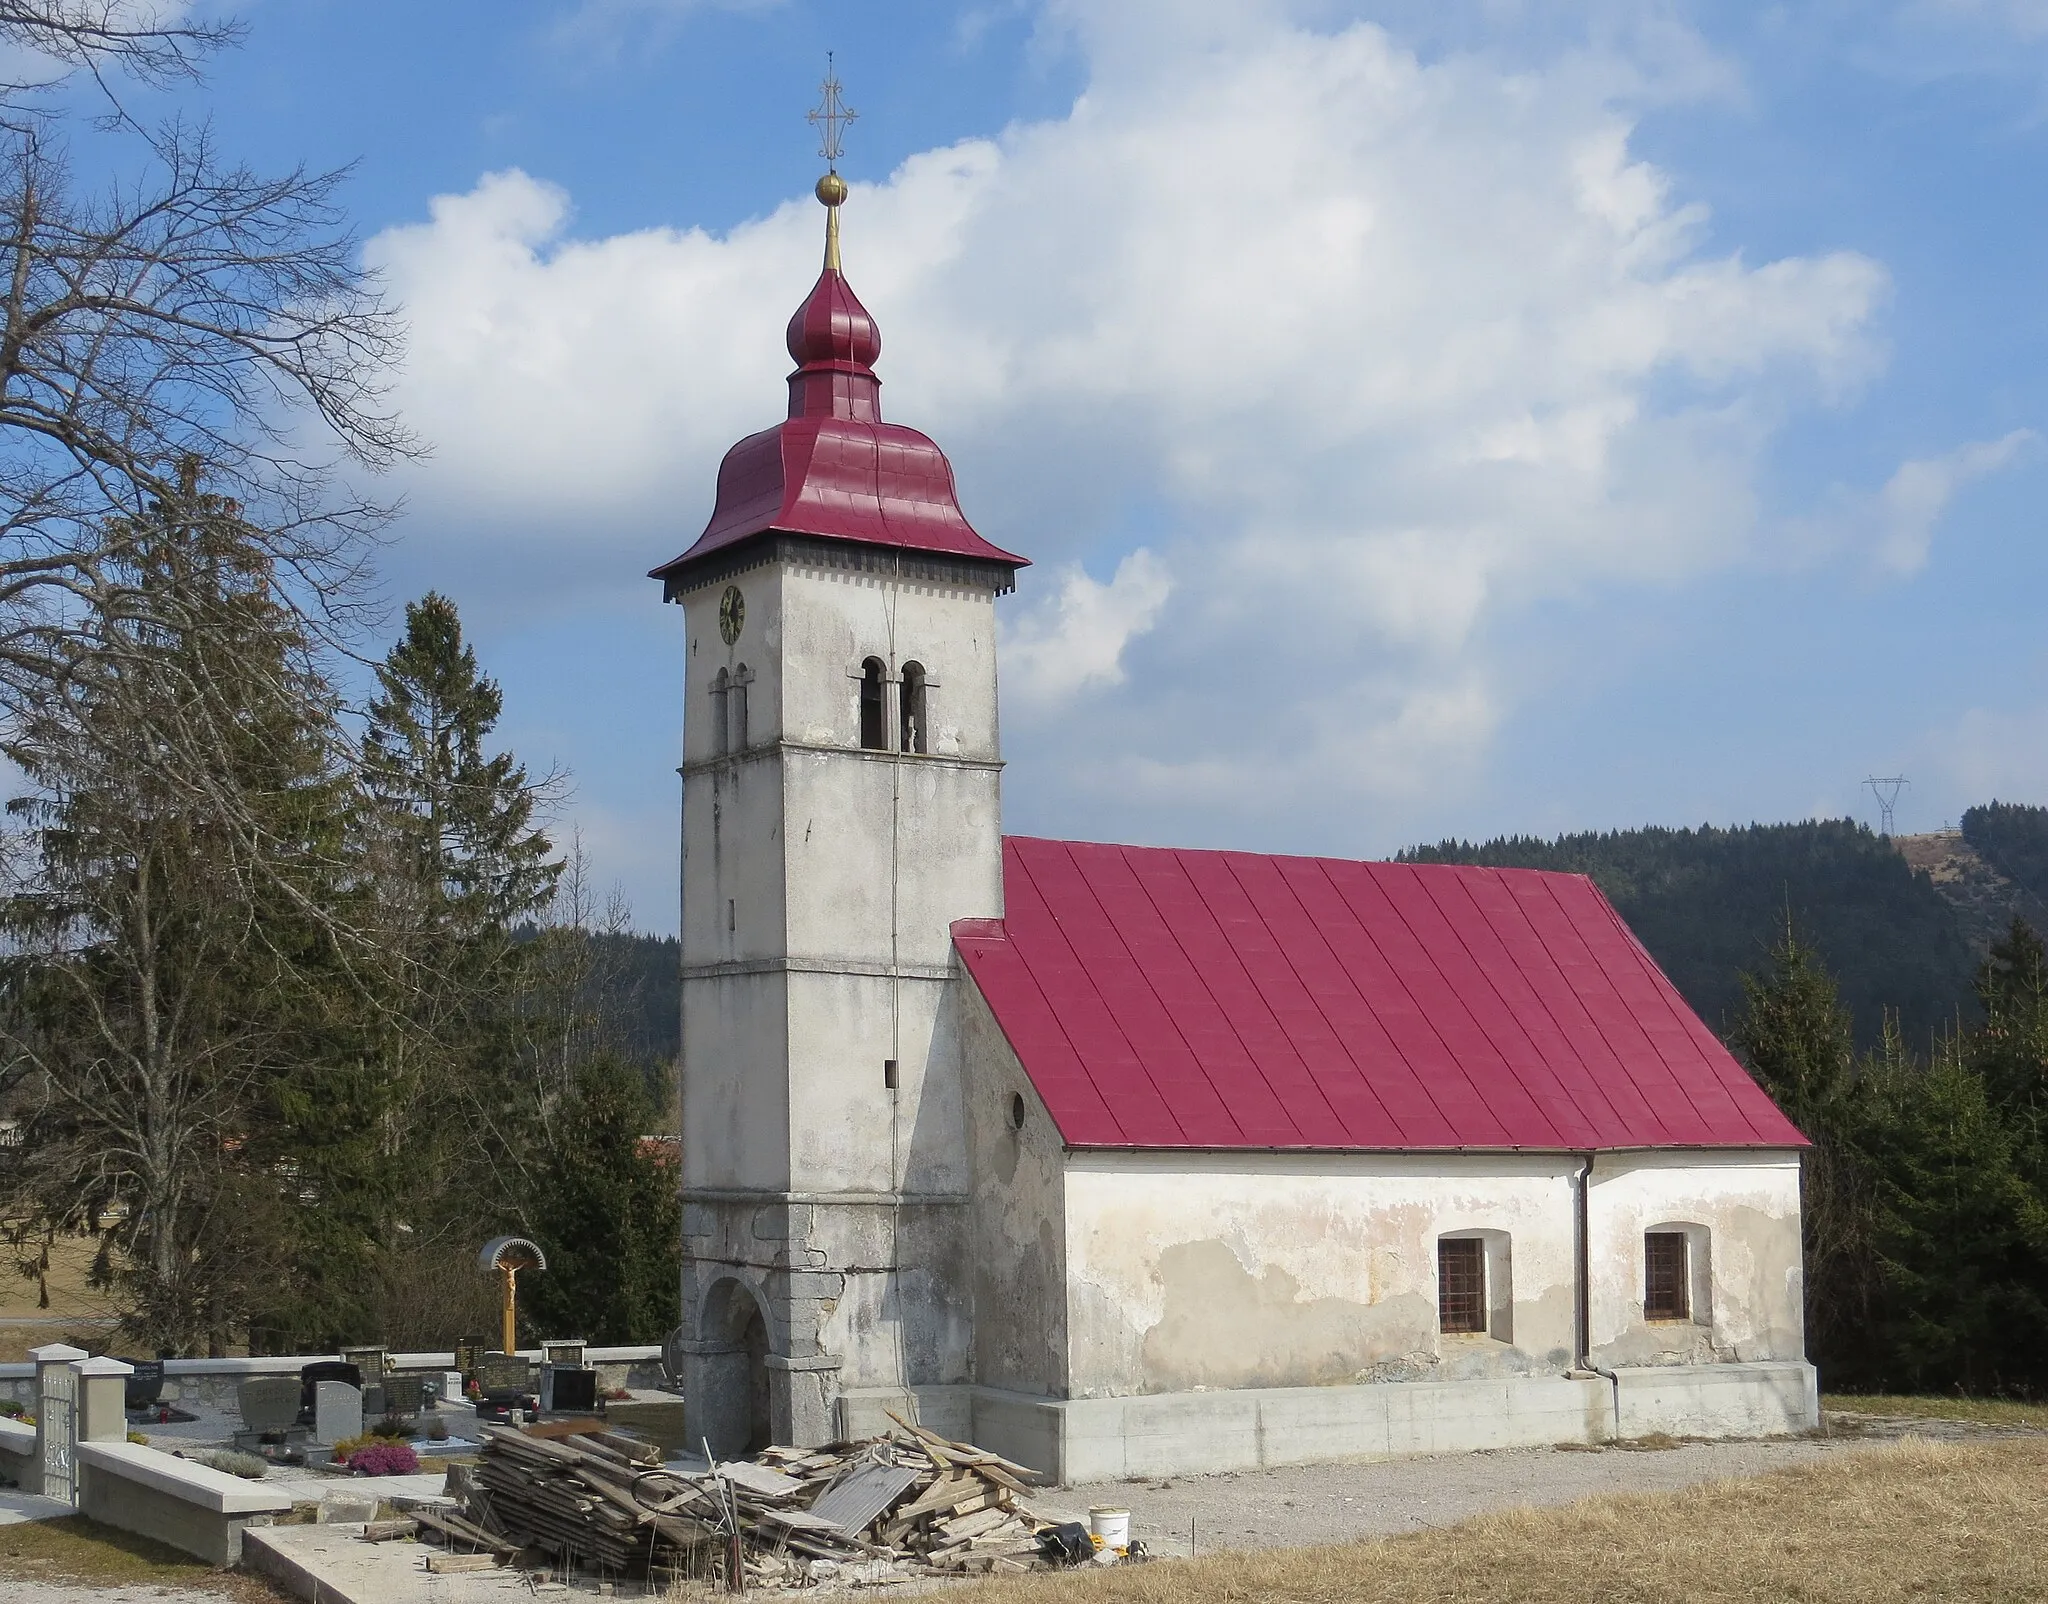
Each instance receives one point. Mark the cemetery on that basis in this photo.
(343, 1476)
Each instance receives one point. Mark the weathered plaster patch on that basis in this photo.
(1225, 1327)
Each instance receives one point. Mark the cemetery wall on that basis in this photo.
(200, 1511)
(210, 1385)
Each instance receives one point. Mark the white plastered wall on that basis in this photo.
(1207, 1271)
(1742, 1211)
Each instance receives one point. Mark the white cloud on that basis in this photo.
(1895, 524)
(1076, 637)
(1381, 349)
(1915, 497)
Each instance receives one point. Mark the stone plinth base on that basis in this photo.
(1163, 1434)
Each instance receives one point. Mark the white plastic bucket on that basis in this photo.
(1111, 1528)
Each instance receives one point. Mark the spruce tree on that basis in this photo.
(173, 927)
(1795, 1035)
(2010, 1048)
(1960, 1238)
(606, 1208)
(1799, 1042)
(463, 818)
(464, 866)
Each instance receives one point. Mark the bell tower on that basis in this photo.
(841, 807)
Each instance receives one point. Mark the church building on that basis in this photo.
(1132, 1160)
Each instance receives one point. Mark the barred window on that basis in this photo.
(1666, 1277)
(1461, 1284)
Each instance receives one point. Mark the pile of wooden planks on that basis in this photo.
(892, 1508)
(964, 1510)
(600, 1499)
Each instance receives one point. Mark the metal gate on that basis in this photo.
(57, 1425)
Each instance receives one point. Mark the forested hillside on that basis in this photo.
(1710, 904)
(2014, 839)
(634, 992)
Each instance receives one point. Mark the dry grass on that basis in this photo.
(1935, 1523)
(70, 1267)
(1983, 1411)
(83, 1552)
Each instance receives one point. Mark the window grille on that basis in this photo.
(1461, 1284)
(1666, 1295)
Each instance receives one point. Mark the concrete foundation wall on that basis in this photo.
(1767, 1399)
(1109, 1439)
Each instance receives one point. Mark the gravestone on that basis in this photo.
(574, 1391)
(337, 1412)
(268, 1404)
(145, 1385)
(504, 1372)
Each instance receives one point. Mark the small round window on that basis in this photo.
(1017, 1111)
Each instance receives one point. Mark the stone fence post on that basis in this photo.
(102, 1399)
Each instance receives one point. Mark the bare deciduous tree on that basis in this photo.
(196, 312)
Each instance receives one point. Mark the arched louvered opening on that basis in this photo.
(874, 724)
(721, 692)
(912, 710)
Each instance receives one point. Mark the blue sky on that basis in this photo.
(1426, 419)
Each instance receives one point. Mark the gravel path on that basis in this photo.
(1307, 1504)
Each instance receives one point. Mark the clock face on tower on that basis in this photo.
(732, 614)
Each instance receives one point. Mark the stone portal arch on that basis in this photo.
(733, 1340)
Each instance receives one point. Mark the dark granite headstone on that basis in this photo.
(575, 1392)
(142, 1389)
(504, 1372)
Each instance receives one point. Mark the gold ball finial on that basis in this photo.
(831, 190)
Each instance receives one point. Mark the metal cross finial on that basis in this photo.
(831, 117)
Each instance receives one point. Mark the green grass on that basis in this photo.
(76, 1550)
(1984, 1411)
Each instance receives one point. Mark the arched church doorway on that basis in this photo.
(734, 1413)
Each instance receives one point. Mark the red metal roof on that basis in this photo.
(1161, 998)
(834, 468)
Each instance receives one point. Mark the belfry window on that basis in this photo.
(874, 725)
(913, 709)
(721, 690)
(736, 709)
